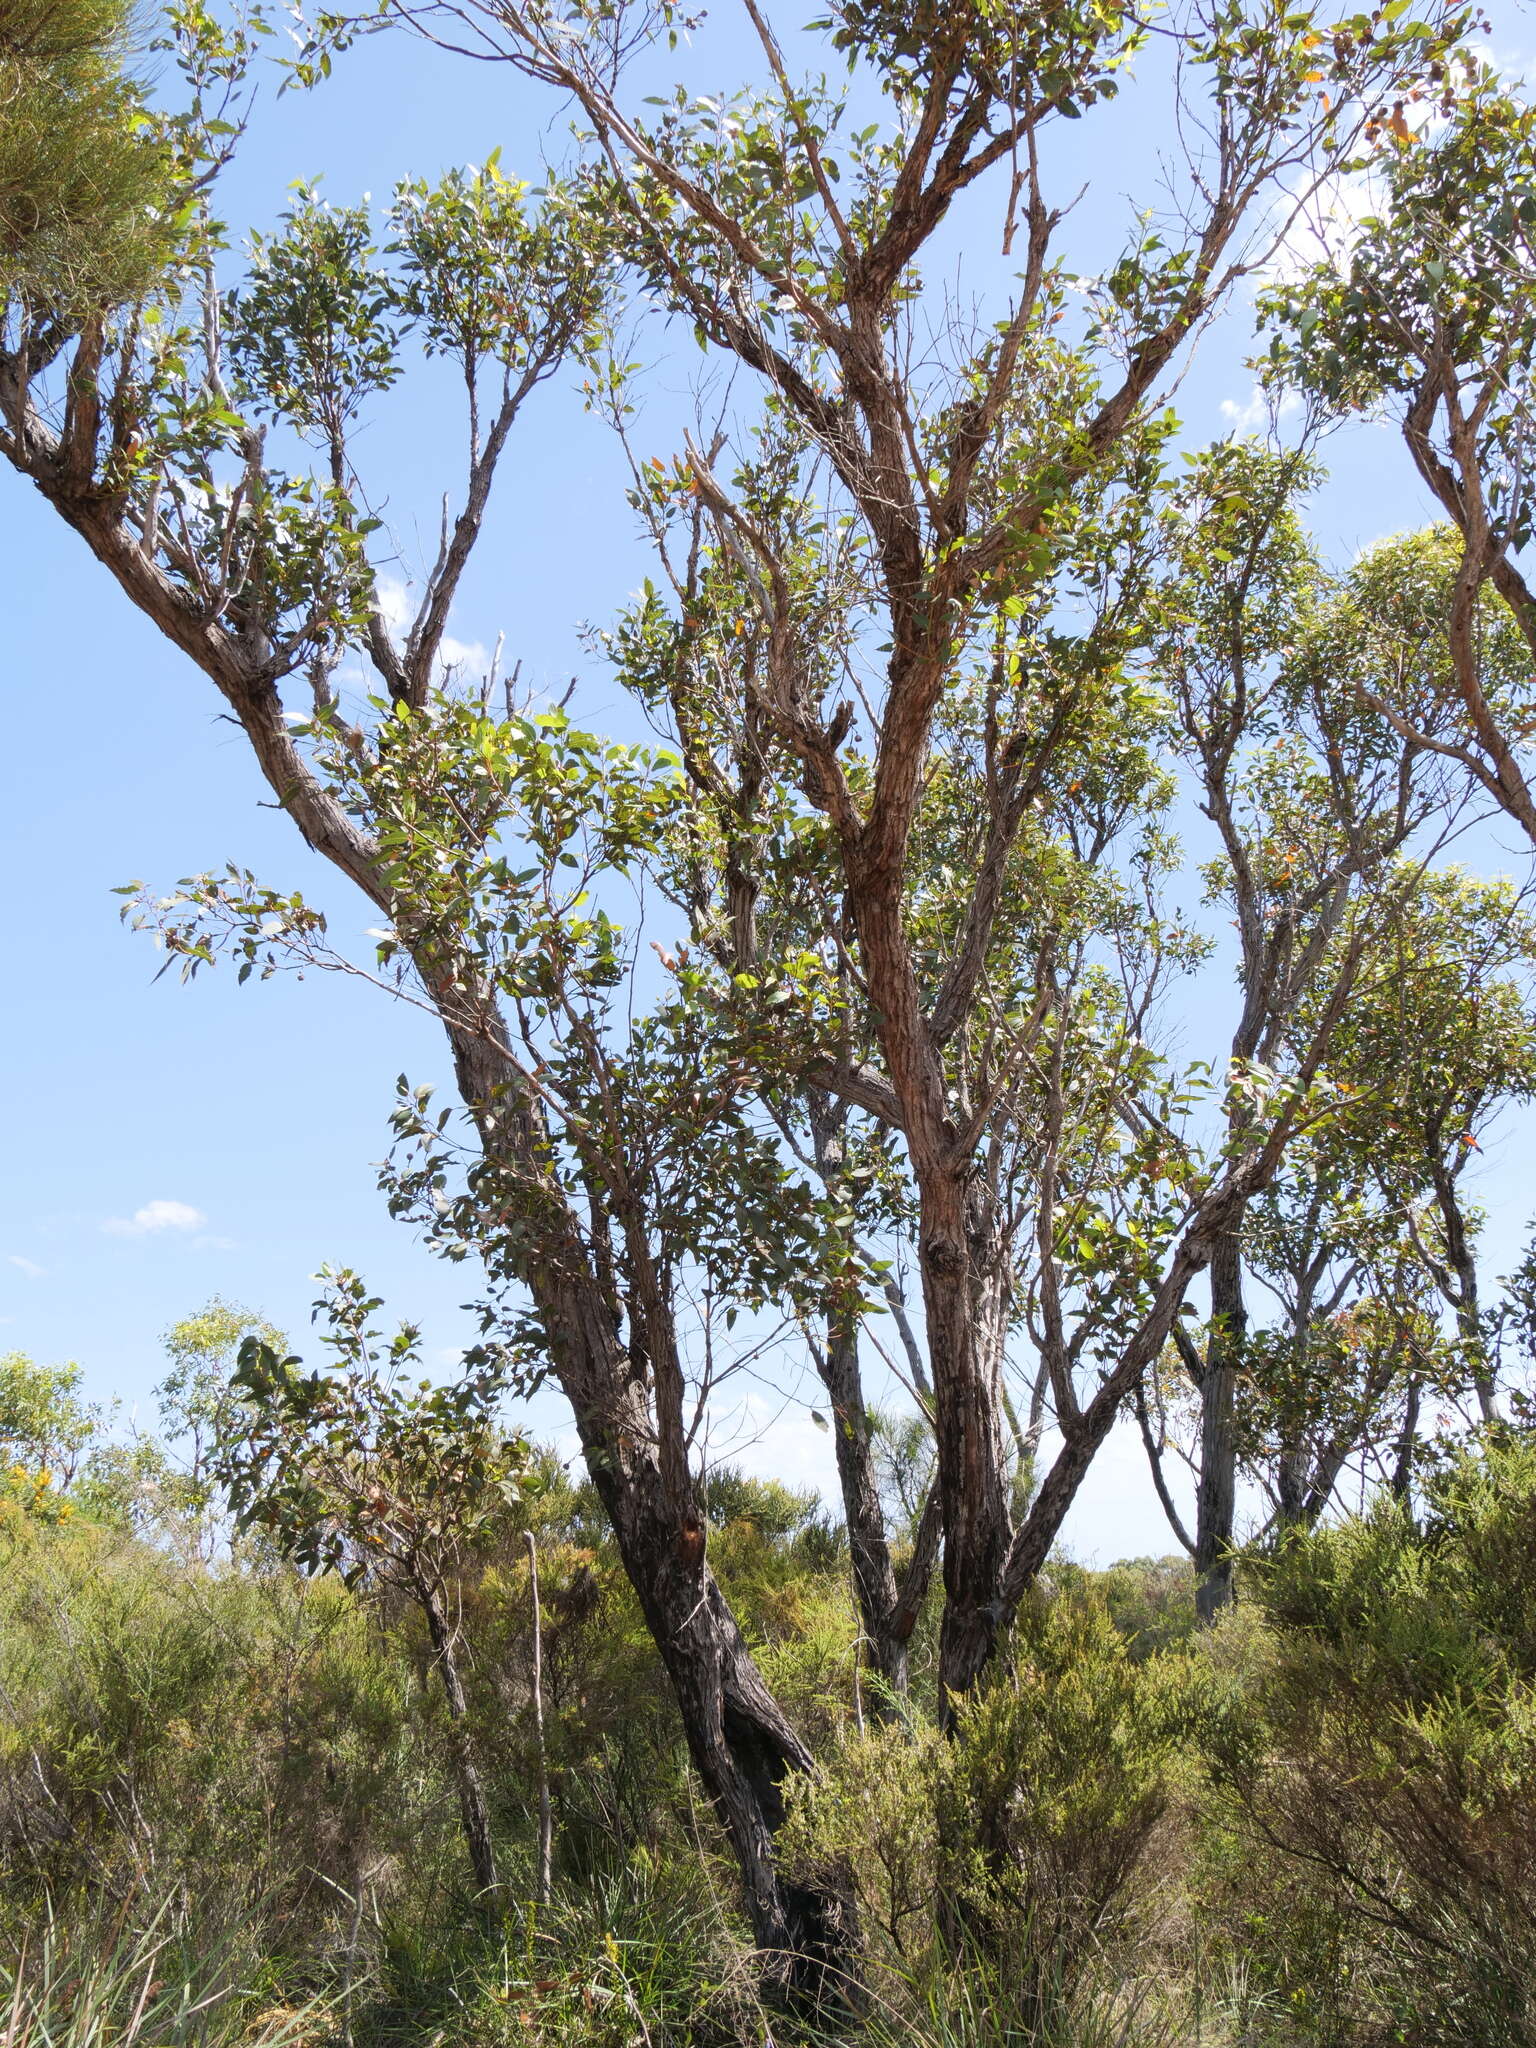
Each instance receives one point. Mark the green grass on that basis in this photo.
(101, 1981)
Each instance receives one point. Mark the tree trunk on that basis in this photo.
(874, 1576)
(957, 1242)
(885, 1627)
(1292, 1477)
(741, 1744)
(1216, 1499)
(1407, 1443)
(957, 1250)
(1463, 1293)
(473, 1811)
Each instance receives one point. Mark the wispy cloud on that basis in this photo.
(459, 655)
(398, 603)
(30, 1267)
(1259, 409)
(155, 1216)
(1322, 226)
(1323, 223)
(395, 602)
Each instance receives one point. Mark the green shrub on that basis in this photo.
(1151, 1600)
(1017, 1841)
(242, 1729)
(1056, 1780)
(1386, 1749)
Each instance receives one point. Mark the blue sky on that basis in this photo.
(167, 1143)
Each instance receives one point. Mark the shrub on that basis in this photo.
(240, 1728)
(1388, 1747)
(1151, 1600)
(1019, 1839)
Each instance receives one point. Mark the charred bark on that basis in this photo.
(742, 1745)
(1216, 1499)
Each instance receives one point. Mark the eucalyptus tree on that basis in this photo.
(1312, 794)
(196, 1397)
(45, 1426)
(1366, 1242)
(1334, 1383)
(624, 1153)
(1440, 1045)
(759, 874)
(967, 483)
(1343, 1338)
(1425, 312)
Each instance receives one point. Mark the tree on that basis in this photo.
(1442, 1043)
(45, 1431)
(390, 1483)
(198, 1399)
(1366, 1241)
(980, 581)
(1426, 312)
(1312, 793)
(966, 497)
(1335, 1383)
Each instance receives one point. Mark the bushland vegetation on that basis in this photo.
(230, 1788)
(829, 1032)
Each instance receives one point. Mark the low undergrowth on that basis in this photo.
(227, 1812)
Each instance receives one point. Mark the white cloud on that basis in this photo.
(1258, 410)
(463, 654)
(30, 1267)
(1322, 226)
(396, 603)
(156, 1216)
(774, 1436)
(1323, 222)
(1513, 65)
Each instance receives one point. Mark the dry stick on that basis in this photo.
(546, 1824)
